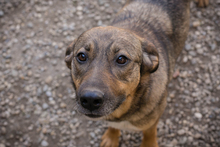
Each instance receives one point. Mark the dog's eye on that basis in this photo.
(122, 60)
(81, 57)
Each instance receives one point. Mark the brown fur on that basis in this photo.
(110, 138)
(151, 34)
(202, 3)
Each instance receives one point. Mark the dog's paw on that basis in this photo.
(202, 3)
(110, 138)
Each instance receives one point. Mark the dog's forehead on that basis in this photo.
(108, 35)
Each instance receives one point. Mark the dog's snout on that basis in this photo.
(91, 100)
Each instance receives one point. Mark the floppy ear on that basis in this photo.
(69, 54)
(150, 61)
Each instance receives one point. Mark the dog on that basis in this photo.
(120, 72)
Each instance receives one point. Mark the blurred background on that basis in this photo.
(36, 97)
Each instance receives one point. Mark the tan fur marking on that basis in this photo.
(150, 137)
(110, 138)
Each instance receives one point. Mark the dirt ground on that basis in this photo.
(37, 106)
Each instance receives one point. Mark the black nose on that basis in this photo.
(91, 100)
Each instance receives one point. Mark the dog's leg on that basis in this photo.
(150, 137)
(110, 138)
(202, 3)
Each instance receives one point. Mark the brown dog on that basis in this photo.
(120, 72)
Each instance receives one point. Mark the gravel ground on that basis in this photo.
(36, 98)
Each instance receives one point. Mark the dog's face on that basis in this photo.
(106, 66)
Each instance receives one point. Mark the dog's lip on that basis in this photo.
(93, 115)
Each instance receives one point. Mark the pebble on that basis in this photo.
(48, 80)
(14, 73)
(92, 134)
(188, 47)
(45, 106)
(185, 59)
(192, 53)
(196, 23)
(183, 140)
(198, 46)
(62, 105)
(181, 132)
(174, 142)
(213, 46)
(29, 73)
(54, 62)
(48, 93)
(79, 8)
(1, 13)
(44, 143)
(198, 115)
(30, 24)
(99, 23)
(3, 130)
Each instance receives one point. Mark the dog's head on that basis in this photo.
(106, 66)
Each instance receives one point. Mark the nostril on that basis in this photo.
(84, 101)
(97, 102)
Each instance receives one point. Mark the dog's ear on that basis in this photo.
(69, 54)
(150, 61)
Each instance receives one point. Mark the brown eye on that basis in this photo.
(122, 60)
(81, 57)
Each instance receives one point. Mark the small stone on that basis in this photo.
(181, 132)
(1, 13)
(30, 127)
(44, 130)
(54, 62)
(14, 73)
(183, 140)
(213, 46)
(101, 2)
(2, 145)
(44, 143)
(49, 79)
(200, 51)
(188, 47)
(174, 142)
(197, 135)
(190, 139)
(3, 130)
(176, 73)
(45, 88)
(73, 112)
(198, 115)
(29, 73)
(185, 59)
(45, 106)
(92, 134)
(79, 8)
(196, 23)
(39, 91)
(192, 53)
(63, 105)
(92, 142)
(48, 93)
(99, 23)
(198, 46)
(30, 25)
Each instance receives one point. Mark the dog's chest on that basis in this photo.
(123, 125)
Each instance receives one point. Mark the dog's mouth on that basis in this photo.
(93, 115)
